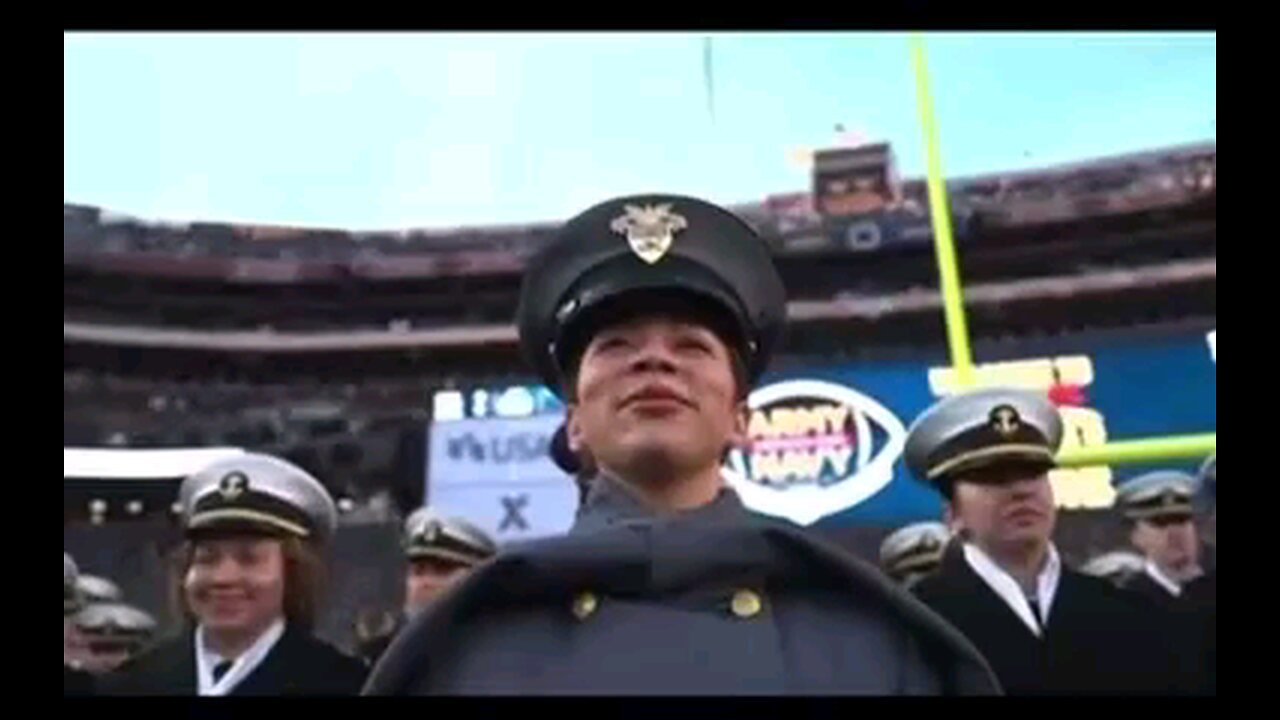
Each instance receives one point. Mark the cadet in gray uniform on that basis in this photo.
(440, 552)
(912, 553)
(114, 632)
(249, 585)
(653, 316)
(75, 680)
(1045, 628)
(103, 631)
(89, 590)
(1157, 508)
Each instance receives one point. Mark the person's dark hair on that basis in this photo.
(947, 487)
(586, 471)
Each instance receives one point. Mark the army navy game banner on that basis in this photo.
(826, 441)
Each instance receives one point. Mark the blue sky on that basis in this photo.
(389, 130)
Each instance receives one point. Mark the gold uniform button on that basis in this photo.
(746, 604)
(584, 605)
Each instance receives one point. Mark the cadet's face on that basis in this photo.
(236, 584)
(105, 657)
(427, 579)
(1004, 507)
(75, 646)
(659, 391)
(1170, 542)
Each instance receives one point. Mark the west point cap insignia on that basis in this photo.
(649, 229)
(233, 485)
(1005, 421)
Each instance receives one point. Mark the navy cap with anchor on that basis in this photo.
(429, 534)
(1163, 493)
(257, 493)
(917, 547)
(983, 428)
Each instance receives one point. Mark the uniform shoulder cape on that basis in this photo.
(512, 615)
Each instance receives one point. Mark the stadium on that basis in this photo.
(385, 363)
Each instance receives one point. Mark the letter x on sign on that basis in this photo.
(513, 519)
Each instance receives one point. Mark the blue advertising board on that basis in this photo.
(826, 440)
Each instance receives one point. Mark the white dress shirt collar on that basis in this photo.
(1007, 588)
(241, 667)
(1163, 580)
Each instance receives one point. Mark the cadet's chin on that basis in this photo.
(656, 457)
(222, 622)
(107, 663)
(1183, 569)
(648, 462)
(226, 619)
(421, 600)
(652, 451)
(648, 437)
(1029, 532)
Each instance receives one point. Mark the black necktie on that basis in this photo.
(221, 669)
(1035, 612)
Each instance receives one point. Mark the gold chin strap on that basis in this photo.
(205, 520)
(1021, 451)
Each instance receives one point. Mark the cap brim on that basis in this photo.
(705, 304)
(239, 521)
(443, 554)
(920, 563)
(1037, 457)
(1178, 512)
(612, 293)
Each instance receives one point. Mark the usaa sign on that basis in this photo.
(814, 448)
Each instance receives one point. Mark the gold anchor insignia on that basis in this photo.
(233, 485)
(649, 229)
(430, 532)
(1005, 420)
